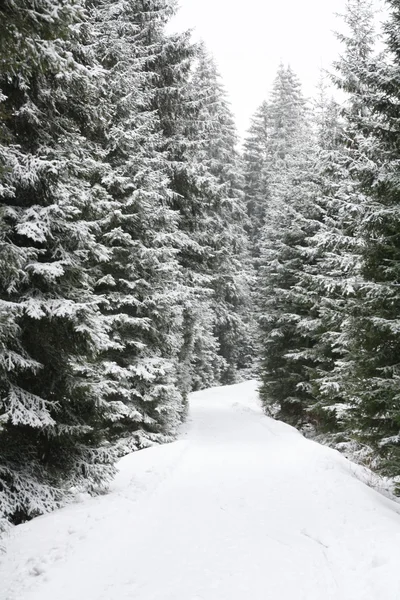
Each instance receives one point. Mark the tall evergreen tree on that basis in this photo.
(289, 220)
(138, 283)
(52, 332)
(344, 164)
(198, 131)
(255, 165)
(228, 263)
(372, 330)
(327, 281)
(177, 108)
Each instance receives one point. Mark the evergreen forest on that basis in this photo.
(145, 253)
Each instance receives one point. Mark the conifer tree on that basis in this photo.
(191, 123)
(138, 283)
(344, 162)
(289, 220)
(171, 62)
(255, 164)
(328, 279)
(372, 331)
(229, 266)
(319, 294)
(51, 330)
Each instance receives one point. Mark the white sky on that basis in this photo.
(250, 38)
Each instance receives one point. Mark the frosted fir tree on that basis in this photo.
(372, 331)
(228, 264)
(290, 216)
(328, 279)
(344, 162)
(179, 104)
(260, 149)
(255, 168)
(286, 112)
(50, 327)
(140, 282)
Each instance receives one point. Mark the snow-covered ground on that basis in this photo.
(240, 508)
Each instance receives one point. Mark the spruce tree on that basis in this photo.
(372, 368)
(345, 162)
(171, 61)
(51, 329)
(138, 282)
(228, 264)
(190, 123)
(255, 165)
(329, 277)
(289, 219)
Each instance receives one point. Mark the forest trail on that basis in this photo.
(240, 508)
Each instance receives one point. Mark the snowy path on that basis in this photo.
(241, 508)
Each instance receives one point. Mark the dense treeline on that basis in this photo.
(124, 271)
(142, 256)
(322, 188)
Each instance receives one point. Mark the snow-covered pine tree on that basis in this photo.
(228, 262)
(344, 162)
(255, 169)
(140, 282)
(51, 330)
(321, 281)
(289, 220)
(329, 275)
(170, 63)
(187, 120)
(372, 362)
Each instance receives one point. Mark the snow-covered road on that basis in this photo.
(240, 508)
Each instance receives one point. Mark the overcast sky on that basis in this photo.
(250, 38)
